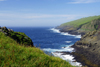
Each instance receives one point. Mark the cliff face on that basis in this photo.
(87, 49)
(82, 29)
(90, 26)
(69, 29)
(21, 38)
(89, 45)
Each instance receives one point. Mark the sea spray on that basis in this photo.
(67, 49)
(64, 33)
(68, 41)
(68, 58)
(50, 40)
(59, 52)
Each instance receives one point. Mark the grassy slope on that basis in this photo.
(81, 21)
(12, 54)
(17, 36)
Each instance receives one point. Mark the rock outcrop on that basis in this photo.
(18, 36)
(87, 49)
(82, 29)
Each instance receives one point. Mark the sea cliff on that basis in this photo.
(87, 49)
(80, 26)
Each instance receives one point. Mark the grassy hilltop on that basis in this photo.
(83, 25)
(16, 53)
(88, 47)
(79, 22)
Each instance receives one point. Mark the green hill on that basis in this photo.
(81, 26)
(79, 22)
(87, 49)
(16, 54)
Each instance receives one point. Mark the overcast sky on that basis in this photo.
(45, 12)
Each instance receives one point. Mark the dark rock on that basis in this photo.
(26, 37)
(87, 49)
(18, 36)
(4, 28)
(1, 30)
(10, 30)
(5, 33)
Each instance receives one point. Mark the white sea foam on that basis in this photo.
(68, 58)
(55, 30)
(78, 36)
(67, 49)
(64, 33)
(68, 41)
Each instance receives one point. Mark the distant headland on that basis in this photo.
(87, 49)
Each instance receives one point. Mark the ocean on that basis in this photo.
(51, 40)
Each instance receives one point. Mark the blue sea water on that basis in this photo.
(50, 39)
(46, 38)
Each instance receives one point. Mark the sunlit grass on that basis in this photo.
(77, 23)
(12, 54)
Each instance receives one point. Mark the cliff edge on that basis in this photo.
(87, 49)
(80, 26)
(21, 38)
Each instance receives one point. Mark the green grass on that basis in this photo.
(81, 21)
(12, 54)
(20, 38)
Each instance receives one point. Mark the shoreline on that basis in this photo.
(81, 53)
(85, 53)
(67, 55)
(73, 53)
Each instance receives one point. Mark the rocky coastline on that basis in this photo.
(87, 49)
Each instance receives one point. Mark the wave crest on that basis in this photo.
(64, 33)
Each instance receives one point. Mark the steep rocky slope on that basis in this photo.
(89, 45)
(90, 26)
(87, 49)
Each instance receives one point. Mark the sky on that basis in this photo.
(44, 13)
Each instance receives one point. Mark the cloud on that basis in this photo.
(36, 16)
(20, 19)
(83, 1)
(49, 16)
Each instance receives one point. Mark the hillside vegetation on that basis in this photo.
(13, 53)
(87, 49)
(20, 37)
(81, 26)
(79, 22)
